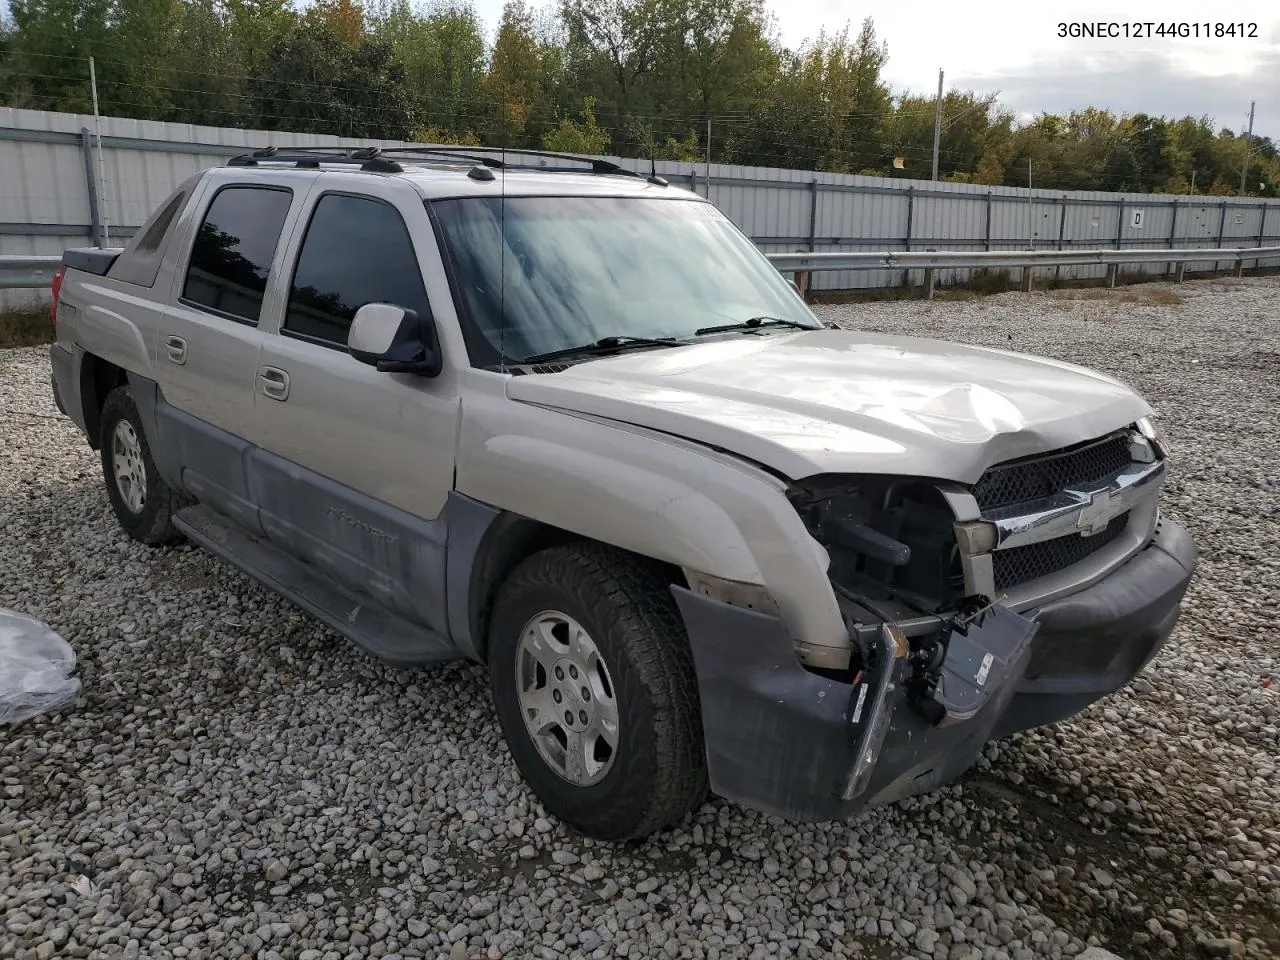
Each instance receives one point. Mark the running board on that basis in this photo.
(378, 632)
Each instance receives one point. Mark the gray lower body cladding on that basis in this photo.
(64, 378)
(778, 738)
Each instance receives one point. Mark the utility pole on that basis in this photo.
(1031, 211)
(1248, 142)
(1193, 181)
(937, 125)
(102, 165)
(708, 158)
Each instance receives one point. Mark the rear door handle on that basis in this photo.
(274, 383)
(176, 348)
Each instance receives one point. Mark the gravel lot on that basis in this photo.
(236, 781)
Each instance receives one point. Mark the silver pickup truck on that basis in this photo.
(569, 422)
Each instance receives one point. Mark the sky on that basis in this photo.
(1013, 47)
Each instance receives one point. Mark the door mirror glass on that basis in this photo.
(394, 340)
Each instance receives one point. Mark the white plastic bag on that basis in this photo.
(35, 668)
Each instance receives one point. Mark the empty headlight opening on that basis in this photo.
(894, 556)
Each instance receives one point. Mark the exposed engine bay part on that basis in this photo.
(871, 704)
(947, 672)
(892, 542)
(982, 649)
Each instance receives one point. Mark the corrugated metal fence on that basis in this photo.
(51, 197)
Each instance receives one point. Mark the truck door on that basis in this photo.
(354, 467)
(209, 338)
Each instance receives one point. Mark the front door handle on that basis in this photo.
(274, 383)
(176, 348)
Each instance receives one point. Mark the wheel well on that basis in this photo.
(98, 378)
(511, 540)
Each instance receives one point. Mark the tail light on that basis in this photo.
(56, 288)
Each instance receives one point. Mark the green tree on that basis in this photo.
(316, 80)
(578, 137)
(49, 45)
(827, 108)
(442, 49)
(514, 79)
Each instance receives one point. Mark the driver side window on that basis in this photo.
(356, 250)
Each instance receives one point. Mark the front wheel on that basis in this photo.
(595, 691)
(142, 502)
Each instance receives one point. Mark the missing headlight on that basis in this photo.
(891, 540)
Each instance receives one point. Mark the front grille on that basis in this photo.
(1036, 478)
(1018, 565)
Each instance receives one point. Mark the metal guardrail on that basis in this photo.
(19, 273)
(960, 259)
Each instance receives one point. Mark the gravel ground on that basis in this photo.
(236, 781)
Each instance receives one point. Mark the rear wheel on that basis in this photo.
(595, 690)
(143, 503)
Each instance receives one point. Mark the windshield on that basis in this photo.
(548, 273)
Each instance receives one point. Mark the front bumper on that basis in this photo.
(778, 737)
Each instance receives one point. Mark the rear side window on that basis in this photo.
(139, 263)
(232, 254)
(356, 251)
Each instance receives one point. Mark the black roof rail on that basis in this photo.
(481, 154)
(381, 159)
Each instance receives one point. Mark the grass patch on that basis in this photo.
(990, 282)
(25, 328)
(1157, 296)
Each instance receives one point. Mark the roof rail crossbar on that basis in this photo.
(368, 158)
(597, 164)
(445, 154)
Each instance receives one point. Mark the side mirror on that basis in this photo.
(394, 340)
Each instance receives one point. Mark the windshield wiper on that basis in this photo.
(753, 324)
(603, 345)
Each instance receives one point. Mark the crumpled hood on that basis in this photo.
(835, 401)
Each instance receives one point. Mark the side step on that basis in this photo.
(376, 631)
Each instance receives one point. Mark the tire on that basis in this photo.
(123, 443)
(655, 773)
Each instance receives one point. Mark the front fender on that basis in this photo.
(633, 505)
(655, 495)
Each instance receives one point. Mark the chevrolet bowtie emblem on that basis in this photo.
(1097, 513)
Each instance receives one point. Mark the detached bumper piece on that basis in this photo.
(795, 744)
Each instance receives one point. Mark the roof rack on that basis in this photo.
(381, 159)
(366, 157)
(481, 155)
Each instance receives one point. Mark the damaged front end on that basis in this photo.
(940, 659)
(793, 742)
(920, 639)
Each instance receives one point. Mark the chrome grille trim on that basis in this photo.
(1014, 566)
(1083, 512)
(1130, 492)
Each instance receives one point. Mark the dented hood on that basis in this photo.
(836, 401)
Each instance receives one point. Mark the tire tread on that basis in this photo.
(154, 526)
(632, 595)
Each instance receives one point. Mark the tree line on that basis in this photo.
(668, 79)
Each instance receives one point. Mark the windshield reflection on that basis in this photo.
(546, 273)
